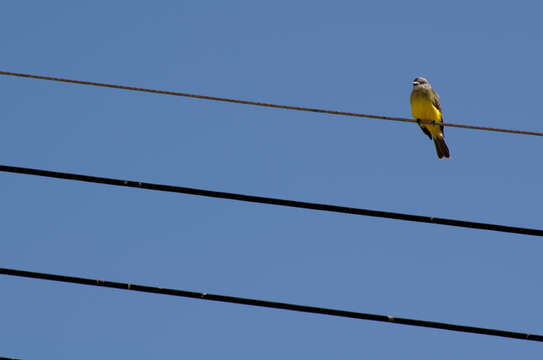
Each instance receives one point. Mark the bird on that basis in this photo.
(425, 106)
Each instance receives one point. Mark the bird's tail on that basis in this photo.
(441, 148)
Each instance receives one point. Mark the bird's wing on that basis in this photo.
(437, 104)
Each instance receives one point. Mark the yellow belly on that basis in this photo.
(423, 109)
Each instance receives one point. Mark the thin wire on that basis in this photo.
(269, 105)
(271, 304)
(271, 201)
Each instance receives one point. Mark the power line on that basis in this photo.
(272, 201)
(269, 105)
(271, 304)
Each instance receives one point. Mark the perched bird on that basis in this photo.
(425, 105)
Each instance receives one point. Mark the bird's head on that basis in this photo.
(420, 81)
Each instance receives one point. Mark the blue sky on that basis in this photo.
(483, 58)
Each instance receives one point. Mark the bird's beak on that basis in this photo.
(415, 83)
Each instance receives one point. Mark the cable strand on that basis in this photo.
(272, 201)
(269, 105)
(272, 304)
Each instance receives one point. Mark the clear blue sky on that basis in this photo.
(483, 58)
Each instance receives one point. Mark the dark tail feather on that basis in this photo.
(441, 148)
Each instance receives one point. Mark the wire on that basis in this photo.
(271, 201)
(276, 106)
(271, 304)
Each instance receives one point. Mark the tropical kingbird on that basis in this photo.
(425, 106)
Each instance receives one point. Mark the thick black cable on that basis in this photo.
(257, 103)
(272, 201)
(271, 304)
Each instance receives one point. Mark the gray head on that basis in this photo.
(420, 81)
